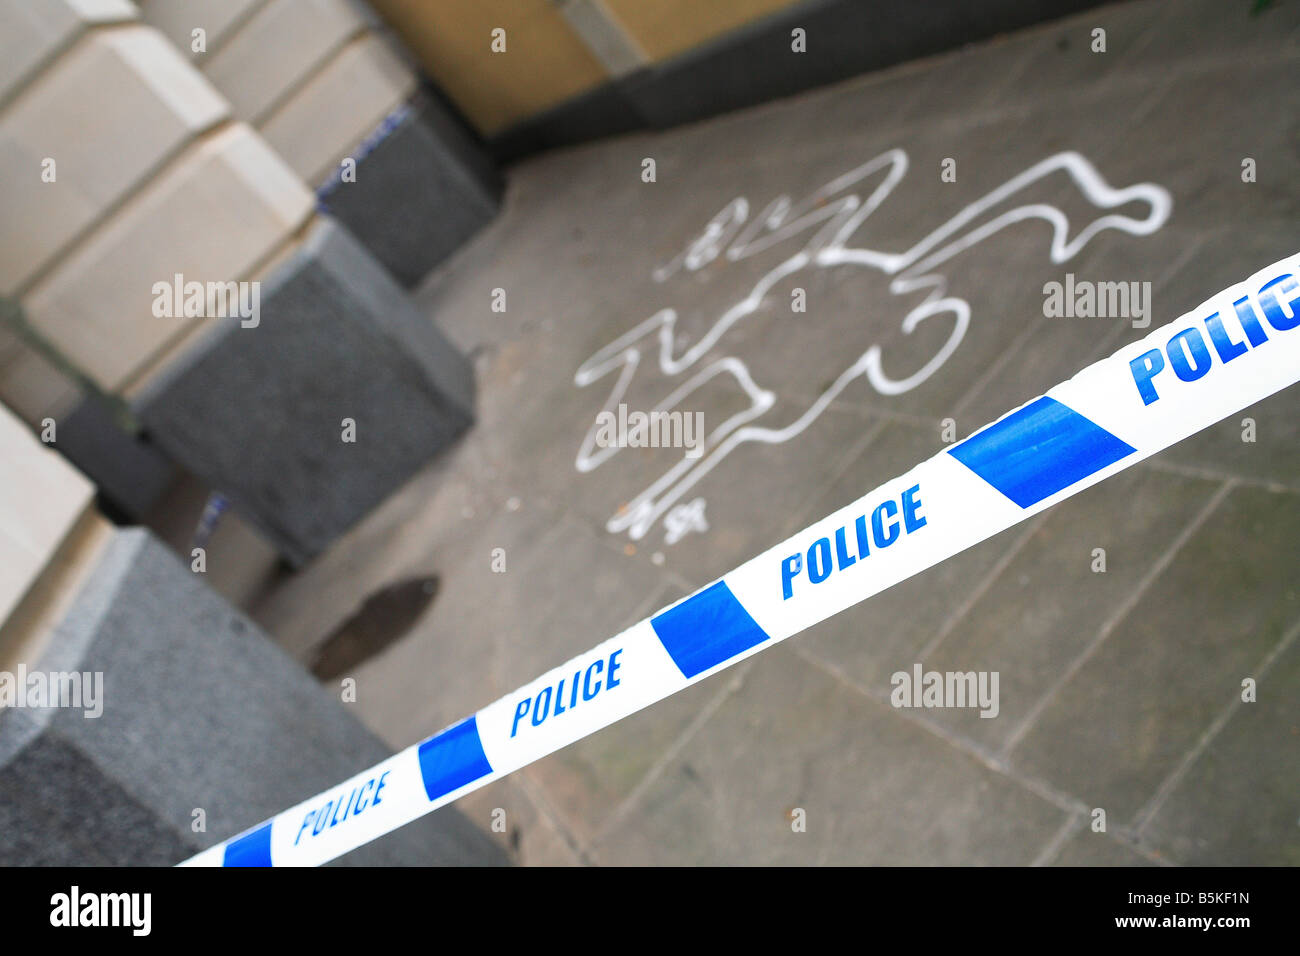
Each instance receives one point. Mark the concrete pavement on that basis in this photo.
(1120, 690)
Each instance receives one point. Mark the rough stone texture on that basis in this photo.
(258, 412)
(200, 711)
(129, 473)
(421, 191)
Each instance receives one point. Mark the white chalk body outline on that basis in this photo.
(743, 237)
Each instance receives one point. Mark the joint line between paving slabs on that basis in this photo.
(1152, 807)
(1060, 800)
(921, 422)
(800, 519)
(1157, 568)
(1052, 849)
(730, 687)
(1158, 463)
(991, 373)
(1067, 803)
(953, 619)
(547, 813)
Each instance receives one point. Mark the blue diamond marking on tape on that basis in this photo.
(251, 849)
(1039, 450)
(452, 759)
(707, 629)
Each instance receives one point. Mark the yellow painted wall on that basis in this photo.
(664, 28)
(544, 64)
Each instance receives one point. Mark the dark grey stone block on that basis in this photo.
(423, 188)
(200, 710)
(128, 471)
(256, 412)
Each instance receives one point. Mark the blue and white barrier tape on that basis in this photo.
(1236, 349)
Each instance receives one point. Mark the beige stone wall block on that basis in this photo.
(333, 112)
(42, 498)
(212, 216)
(27, 631)
(109, 113)
(177, 19)
(276, 49)
(32, 32)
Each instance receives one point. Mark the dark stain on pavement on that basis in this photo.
(382, 619)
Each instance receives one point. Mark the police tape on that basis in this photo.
(1234, 350)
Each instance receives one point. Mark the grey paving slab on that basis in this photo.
(1049, 604)
(526, 833)
(1241, 113)
(874, 787)
(1123, 721)
(1193, 29)
(1212, 259)
(522, 628)
(1088, 848)
(1060, 56)
(1237, 802)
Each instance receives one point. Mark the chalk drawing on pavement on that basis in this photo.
(833, 213)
